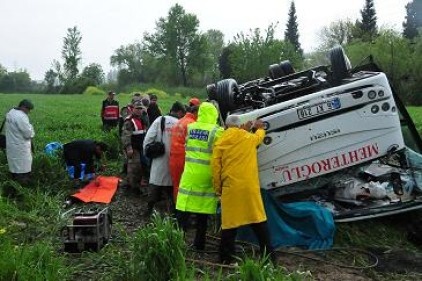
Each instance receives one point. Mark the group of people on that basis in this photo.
(203, 164)
(112, 116)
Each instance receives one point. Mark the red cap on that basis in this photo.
(194, 102)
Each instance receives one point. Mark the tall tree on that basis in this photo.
(50, 78)
(292, 34)
(393, 54)
(368, 24)
(71, 53)
(94, 73)
(337, 33)
(413, 19)
(3, 70)
(129, 60)
(215, 41)
(252, 54)
(224, 64)
(178, 44)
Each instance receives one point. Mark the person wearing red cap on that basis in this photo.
(194, 102)
(178, 139)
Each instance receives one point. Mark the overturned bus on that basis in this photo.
(336, 135)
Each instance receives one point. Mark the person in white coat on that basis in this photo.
(19, 134)
(160, 179)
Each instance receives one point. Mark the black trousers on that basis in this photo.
(228, 237)
(22, 178)
(109, 124)
(157, 193)
(201, 227)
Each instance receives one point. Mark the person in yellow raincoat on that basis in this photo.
(235, 178)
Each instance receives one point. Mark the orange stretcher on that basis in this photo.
(100, 190)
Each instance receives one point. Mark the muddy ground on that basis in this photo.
(347, 264)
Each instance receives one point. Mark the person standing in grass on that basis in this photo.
(160, 181)
(154, 110)
(235, 178)
(19, 135)
(110, 112)
(133, 134)
(127, 110)
(196, 194)
(178, 141)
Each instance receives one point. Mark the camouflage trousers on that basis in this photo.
(134, 171)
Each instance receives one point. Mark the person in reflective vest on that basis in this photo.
(133, 134)
(127, 110)
(178, 141)
(110, 112)
(196, 194)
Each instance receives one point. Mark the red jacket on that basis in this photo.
(178, 135)
(177, 149)
(110, 110)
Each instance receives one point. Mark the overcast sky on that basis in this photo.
(32, 31)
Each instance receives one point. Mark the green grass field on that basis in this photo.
(66, 117)
(29, 222)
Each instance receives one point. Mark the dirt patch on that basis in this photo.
(128, 208)
(398, 261)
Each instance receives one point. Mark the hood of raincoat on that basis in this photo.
(207, 113)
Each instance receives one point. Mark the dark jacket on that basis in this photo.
(153, 112)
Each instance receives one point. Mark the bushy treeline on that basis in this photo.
(177, 53)
(15, 81)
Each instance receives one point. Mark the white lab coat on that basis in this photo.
(19, 133)
(160, 169)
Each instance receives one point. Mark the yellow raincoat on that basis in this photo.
(235, 176)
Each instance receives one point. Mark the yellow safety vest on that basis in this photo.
(196, 192)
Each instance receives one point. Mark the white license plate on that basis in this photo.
(318, 109)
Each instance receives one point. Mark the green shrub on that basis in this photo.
(76, 86)
(93, 91)
(48, 172)
(30, 262)
(178, 96)
(112, 140)
(29, 214)
(157, 252)
(261, 270)
(4, 169)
